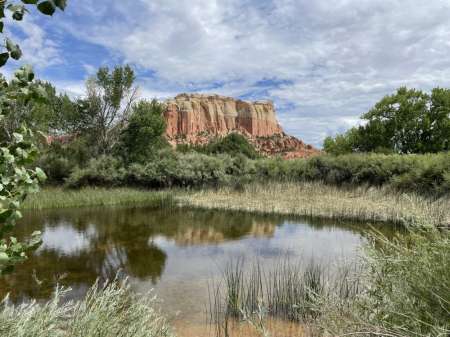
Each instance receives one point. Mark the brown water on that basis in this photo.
(174, 251)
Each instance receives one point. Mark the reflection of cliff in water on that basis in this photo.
(97, 242)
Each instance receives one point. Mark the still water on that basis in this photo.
(174, 251)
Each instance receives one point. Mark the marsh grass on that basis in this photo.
(318, 200)
(60, 198)
(110, 310)
(406, 286)
(287, 291)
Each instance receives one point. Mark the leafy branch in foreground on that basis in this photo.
(16, 181)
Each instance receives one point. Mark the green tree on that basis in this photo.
(47, 117)
(145, 125)
(233, 144)
(409, 121)
(16, 180)
(111, 96)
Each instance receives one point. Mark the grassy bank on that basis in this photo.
(60, 198)
(316, 200)
(320, 200)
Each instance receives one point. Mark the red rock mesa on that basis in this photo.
(200, 118)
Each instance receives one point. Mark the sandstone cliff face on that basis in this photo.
(189, 114)
(201, 118)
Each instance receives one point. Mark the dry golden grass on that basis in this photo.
(320, 200)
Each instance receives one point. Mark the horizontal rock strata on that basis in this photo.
(189, 114)
(200, 118)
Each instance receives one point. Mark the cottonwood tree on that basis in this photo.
(408, 121)
(48, 117)
(145, 125)
(16, 180)
(111, 95)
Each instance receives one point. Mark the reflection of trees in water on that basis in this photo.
(123, 237)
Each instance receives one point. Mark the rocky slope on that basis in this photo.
(201, 118)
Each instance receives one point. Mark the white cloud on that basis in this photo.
(36, 48)
(334, 59)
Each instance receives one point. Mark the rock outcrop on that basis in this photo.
(200, 118)
(191, 113)
(63, 140)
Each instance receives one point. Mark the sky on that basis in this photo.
(323, 63)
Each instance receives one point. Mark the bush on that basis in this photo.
(233, 144)
(111, 310)
(426, 174)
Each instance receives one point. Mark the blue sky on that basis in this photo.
(323, 63)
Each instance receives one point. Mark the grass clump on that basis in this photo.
(110, 310)
(59, 197)
(319, 200)
(253, 293)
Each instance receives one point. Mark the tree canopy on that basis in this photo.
(409, 121)
(145, 125)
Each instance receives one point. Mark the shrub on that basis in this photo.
(406, 286)
(111, 310)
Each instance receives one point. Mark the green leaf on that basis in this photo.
(61, 4)
(17, 247)
(4, 215)
(35, 246)
(34, 188)
(47, 7)
(41, 175)
(2, 9)
(4, 258)
(18, 15)
(13, 240)
(18, 137)
(9, 44)
(16, 53)
(30, 2)
(8, 270)
(3, 59)
(36, 233)
(13, 8)
(8, 229)
(1, 27)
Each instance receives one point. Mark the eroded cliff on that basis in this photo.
(200, 118)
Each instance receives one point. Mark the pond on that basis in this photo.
(175, 251)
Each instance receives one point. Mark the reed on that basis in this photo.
(318, 200)
(110, 310)
(60, 198)
(288, 290)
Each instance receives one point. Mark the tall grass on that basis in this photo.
(59, 198)
(316, 199)
(406, 287)
(110, 310)
(285, 291)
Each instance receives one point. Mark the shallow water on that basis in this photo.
(174, 251)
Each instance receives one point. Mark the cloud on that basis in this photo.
(323, 63)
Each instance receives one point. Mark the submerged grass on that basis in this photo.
(111, 310)
(252, 293)
(319, 200)
(60, 198)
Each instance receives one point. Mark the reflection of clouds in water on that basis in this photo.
(66, 239)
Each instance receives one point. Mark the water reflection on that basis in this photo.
(174, 250)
